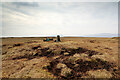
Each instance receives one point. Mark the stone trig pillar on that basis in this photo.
(58, 38)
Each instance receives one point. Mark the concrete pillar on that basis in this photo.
(58, 38)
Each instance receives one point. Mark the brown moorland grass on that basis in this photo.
(72, 58)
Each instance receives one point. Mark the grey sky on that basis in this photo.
(65, 18)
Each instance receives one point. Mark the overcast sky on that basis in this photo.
(64, 18)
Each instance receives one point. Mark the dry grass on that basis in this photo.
(72, 58)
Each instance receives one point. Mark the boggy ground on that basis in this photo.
(72, 58)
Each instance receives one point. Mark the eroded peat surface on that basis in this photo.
(72, 58)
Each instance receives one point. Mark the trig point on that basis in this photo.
(58, 38)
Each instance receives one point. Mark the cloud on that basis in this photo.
(59, 0)
(25, 4)
(69, 18)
